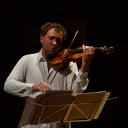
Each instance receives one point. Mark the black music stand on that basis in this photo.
(62, 106)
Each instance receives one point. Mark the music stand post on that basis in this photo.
(62, 107)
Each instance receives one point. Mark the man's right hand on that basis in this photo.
(42, 86)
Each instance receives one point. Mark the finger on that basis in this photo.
(46, 85)
(37, 87)
(91, 50)
(87, 49)
(84, 47)
(41, 88)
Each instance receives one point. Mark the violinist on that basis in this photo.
(33, 73)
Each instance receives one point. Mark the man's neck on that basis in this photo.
(44, 55)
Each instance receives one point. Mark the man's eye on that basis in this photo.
(58, 40)
(51, 38)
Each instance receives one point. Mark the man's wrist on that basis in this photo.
(84, 68)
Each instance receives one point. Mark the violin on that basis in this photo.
(75, 55)
(67, 55)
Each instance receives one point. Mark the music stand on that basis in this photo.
(61, 107)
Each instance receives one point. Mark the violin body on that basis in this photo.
(66, 56)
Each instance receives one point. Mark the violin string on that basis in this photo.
(65, 55)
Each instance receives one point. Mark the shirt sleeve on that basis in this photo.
(78, 83)
(14, 83)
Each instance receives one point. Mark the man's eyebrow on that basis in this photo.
(55, 37)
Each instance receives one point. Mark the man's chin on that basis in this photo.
(52, 55)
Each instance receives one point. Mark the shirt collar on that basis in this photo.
(40, 57)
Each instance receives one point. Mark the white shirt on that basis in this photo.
(32, 68)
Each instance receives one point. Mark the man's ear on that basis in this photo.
(41, 37)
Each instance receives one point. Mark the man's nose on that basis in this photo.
(54, 42)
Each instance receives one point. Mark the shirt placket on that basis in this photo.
(43, 70)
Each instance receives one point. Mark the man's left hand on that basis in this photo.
(88, 53)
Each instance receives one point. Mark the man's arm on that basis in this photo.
(14, 83)
(80, 81)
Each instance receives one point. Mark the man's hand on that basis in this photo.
(88, 52)
(42, 86)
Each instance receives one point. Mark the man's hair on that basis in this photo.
(58, 27)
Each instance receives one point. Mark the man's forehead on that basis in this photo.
(54, 32)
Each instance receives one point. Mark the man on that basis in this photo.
(33, 74)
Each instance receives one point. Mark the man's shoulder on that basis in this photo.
(29, 56)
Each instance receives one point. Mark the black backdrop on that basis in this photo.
(20, 35)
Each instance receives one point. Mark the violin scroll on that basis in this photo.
(108, 50)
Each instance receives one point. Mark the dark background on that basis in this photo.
(20, 26)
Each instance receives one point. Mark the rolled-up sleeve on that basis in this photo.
(78, 83)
